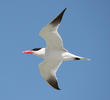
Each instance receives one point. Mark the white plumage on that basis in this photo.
(54, 53)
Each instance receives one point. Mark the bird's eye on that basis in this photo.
(36, 49)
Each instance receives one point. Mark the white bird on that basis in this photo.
(54, 53)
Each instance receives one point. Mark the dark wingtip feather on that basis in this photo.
(53, 82)
(58, 19)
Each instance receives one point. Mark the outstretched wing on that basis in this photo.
(48, 69)
(50, 35)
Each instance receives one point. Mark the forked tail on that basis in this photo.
(84, 59)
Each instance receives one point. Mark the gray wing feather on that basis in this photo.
(48, 70)
(51, 36)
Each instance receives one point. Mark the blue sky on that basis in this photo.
(85, 30)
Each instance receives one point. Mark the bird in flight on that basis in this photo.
(54, 53)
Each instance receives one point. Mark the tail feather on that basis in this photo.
(84, 59)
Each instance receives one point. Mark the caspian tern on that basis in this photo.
(54, 53)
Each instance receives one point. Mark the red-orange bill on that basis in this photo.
(28, 51)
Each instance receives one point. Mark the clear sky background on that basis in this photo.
(85, 30)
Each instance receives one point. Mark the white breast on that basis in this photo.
(55, 54)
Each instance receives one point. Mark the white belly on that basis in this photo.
(61, 55)
(54, 55)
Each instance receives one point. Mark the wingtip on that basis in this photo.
(53, 83)
(65, 9)
(58, 19)
(58, 89)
